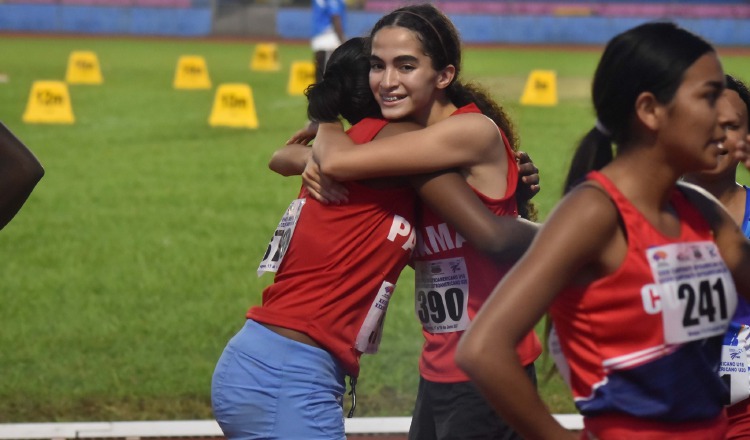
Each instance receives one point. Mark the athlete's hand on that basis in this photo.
(321, 187)
(528, 177)
(305, 135)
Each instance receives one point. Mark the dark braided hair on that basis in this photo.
(344, 89)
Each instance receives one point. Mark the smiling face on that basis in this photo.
(689, 127)
(402, 77)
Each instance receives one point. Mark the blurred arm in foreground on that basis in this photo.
(20, 171)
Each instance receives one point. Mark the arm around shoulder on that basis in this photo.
(506, 238)
(330, 146)
(290, 160)
(458, 141)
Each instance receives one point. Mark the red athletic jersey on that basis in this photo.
(453, 280)
(739, 420)
(336, 271)
(643, 343)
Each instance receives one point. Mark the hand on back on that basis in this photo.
(321, 187)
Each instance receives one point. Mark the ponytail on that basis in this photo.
(344, 89)
(651, 57)
(324, 101)
(593, 153)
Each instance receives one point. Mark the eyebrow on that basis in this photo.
(398, 59)
(734, 117)
(406, 58)
(721, 85)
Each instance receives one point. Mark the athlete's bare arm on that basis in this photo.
(446, 192)
(20, 171)
(573, 243)
(463, 141)
(290, 160)
(506, 238)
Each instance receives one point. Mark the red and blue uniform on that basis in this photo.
(640, 347)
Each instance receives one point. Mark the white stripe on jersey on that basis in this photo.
(634, 359)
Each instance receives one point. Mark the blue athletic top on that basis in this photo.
(735, 362)
(323, 11)
(742, 315)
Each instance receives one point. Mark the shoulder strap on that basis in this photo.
(625, 209)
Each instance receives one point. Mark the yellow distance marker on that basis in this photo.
(234, 107)
(49, 103)
(191, 73)
(265, 58)
(83, 68)
(540, 89)
(301, 75)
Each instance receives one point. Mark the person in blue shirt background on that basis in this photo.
(327, 31)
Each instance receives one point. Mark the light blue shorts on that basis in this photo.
(267, 386)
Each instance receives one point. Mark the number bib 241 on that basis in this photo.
(697, 291)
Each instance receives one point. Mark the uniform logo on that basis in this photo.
(651, 297)
(402, 228)
(659, 256)
(440, 238)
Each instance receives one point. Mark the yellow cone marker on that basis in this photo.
(301, 75)
(541, 88)
(191, 73)
(83, 68)
(265, 58)
(49, 103)
(234, 107)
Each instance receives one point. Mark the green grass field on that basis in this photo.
(134, 260)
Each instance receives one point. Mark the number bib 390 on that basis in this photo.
(442, 295)
(697, 291)
(281, 238)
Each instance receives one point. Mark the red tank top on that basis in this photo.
(453, 280)
(644, 342)
(338, 272)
